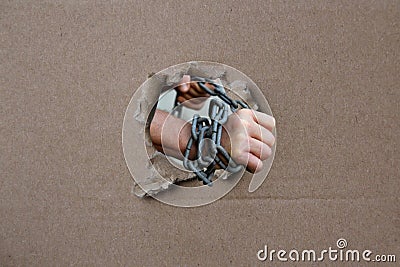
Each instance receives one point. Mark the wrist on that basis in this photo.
(184, 136)
(226, 141)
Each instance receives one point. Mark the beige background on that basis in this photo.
(69, 68)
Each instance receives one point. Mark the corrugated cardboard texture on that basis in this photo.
(68, 69)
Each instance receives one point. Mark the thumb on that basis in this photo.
(184, 85)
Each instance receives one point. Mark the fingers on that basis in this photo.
(197, 89)
(252, 155)
(192, 93)
(258, 125)
(184, 85)
(260, 149)
(264, 120)
(254, 164)
(191, 89)
(258, 152)
(262, 134)
(257, 128)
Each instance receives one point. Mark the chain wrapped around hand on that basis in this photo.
(207, 132)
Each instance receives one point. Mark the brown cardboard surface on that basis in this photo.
(328, 70)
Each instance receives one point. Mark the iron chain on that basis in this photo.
(206, 135)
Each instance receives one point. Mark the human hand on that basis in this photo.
(248, 138)
(190, 94)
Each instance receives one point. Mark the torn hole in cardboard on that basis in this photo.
(152, 171)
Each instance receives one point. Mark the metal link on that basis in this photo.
(194, 126)
(204, 166)
(206, 89)
(232, 166)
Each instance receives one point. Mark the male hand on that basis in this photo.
(248, 138)
(190, 94)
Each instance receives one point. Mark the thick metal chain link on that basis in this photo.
(207, 132)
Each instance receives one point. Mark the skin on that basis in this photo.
(248, 138)
(191, 91)
(247, 134)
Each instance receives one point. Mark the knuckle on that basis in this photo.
(244, 112)
(246, 124)
(248, 112)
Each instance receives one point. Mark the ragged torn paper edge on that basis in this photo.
(160, 173)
